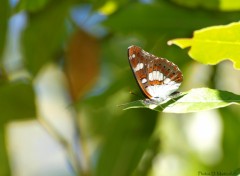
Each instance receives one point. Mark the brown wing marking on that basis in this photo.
(142, 73)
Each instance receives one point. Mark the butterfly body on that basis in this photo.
(157, 77)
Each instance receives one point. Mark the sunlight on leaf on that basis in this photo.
(214, 44)
(182, 43)
(108, 8)
(193, 101)
(223, 5)
(229, 5)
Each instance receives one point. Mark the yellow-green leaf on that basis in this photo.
(229, 5)
(223, 5)
(214, 44)
(182, 43)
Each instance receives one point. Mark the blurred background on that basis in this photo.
(64, 72)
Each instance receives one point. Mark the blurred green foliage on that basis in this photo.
(114, 142)
(4, 15)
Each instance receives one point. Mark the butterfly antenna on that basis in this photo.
(124, 104)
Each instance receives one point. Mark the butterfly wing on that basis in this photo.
(157, 77)
(139, 68)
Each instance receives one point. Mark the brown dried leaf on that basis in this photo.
(82, 63)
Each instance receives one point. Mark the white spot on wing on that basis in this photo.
(162, 92)
(157, 76)
(144, 80)
(150, 76)
(154, 75)
(171, 83)
(138, 67)
(166, 81)
(160, 76)
(133, 56)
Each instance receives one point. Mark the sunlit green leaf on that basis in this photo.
(44, 34)
(229, 5)
(214, 44)
(195, 100)
(108, 8)
(16, 101)
(224, 5)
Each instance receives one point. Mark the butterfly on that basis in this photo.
(157, 77)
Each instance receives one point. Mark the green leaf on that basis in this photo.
(214, 44)
(229, 5)
(193, 101)
(16, 102)
(208, 4)
(43, 37)
(230, 139)
(4, 14)
(30, 5)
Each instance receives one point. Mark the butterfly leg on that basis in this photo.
(151, 103)
(174, 95)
